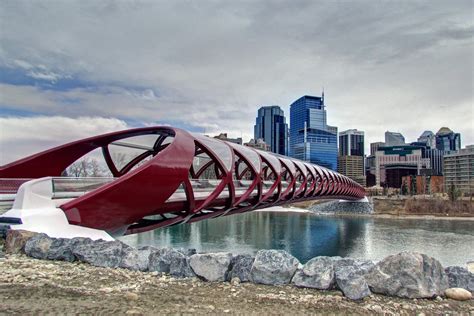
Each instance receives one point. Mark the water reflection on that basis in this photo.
(306, 235)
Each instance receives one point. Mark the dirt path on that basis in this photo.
(29, 286)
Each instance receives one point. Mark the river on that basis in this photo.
(306, 235)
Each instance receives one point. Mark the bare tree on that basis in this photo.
(86, 167)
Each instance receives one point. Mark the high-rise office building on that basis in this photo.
(351, 155)
(272, 128)
(447, 140)
(434, 155)
(428, 138)
(394, 139)
(351, 143)
(311, 139)
(352, 167)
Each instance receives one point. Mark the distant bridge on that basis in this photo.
(159, 176)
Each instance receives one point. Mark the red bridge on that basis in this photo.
(160, 176)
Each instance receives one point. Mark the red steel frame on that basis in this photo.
(138, 192)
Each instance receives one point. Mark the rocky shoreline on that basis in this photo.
(405, 277)
(343, 207)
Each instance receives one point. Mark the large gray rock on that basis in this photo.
(187, 252)
(351, 282)
(136, 259)
(170, 261)
(273, 267)
(38, 246)
(41, 246)
(240, 267)
(409, 275)
(100, 253)
(360, 266)
(317, 273)
(459, 277)
(61, 249)
(211, 266)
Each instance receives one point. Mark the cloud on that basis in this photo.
(23, 136)
(403, 66)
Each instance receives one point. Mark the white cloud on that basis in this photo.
(403, 66)
(50, 76)
(20, 137)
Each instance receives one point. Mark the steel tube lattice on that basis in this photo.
(170, 176)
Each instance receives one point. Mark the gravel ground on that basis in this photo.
(29, 286)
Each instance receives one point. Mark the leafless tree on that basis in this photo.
(86, 167)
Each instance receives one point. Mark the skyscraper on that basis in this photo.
(310, 137)
(394, 139)
(271, 126)
(428, 138)
(351, 143)
(447, 140)
(351, 155)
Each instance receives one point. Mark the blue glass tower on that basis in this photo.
(447, 140)
(321, 142)
(271, 126)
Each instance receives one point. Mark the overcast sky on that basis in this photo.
(71, 69)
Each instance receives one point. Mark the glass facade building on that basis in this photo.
(351, 143)
(394, 139)
(271, 126)
(311, 139)
(428, 137)
(447, 140)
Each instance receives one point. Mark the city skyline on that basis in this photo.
(66, 75)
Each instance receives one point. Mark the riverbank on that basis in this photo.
(408, 207)
(31, 286)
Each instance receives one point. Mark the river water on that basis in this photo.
(306, 235)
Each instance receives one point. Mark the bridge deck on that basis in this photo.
(66, 188)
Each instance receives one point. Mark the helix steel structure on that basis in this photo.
(162, 176)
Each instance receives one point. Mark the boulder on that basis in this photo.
(458, 294)
(137, 260)
(211, 266)
(408, 275)
(38, 246)
(273, 267)
(240, 267)
(459, 277)
(100, 253)
(352, 283)
(171, 261)
(61, 249)
(317, 273)
(187, 252)
(360, 266)
(16, 240)
(130, 259)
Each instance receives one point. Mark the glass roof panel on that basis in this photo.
(219, 148)
(249, 154)
(276, 164)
